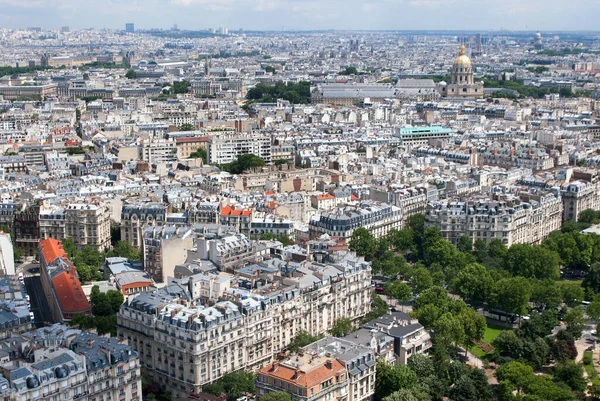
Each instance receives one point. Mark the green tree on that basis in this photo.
(546, 294)
(187, 127)
(349, 71)
(276, 396)
(420, 280)
(392, 378)
(517, 374)
(593, 310)
(234, 385)
(413, 394)
(362, 242)
(532, 261)
(480, 250)
(341, 327)
(575, 321)
(115, 299)
(200, 153)
(473, 283)
(592, 278)
(125, 250)
(69, 247)
(180, 87)
(465, 244)
(401, 239)
(243, 163)
(131, 74)
(571, 374)
(398, 290)
(572, 295)
(422, 365)
(512, 295)
(302, 339)
(270, 69)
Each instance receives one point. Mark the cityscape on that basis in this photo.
(299, 210)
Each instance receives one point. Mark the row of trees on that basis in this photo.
(88, 260)
(105, 306)
(296, 93)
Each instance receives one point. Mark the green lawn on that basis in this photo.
(591, 371)
(491, 332)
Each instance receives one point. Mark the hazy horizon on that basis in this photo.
(275, 15)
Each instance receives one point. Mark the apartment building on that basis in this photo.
(512, 219)
(158, 151)
(410, 337)
(187, 146)
(135, 216)
(411, 200)
(227, 148)
(228, 252)
(59, 362)
(271, 225)
(165, 247)
(358, 360)
(236, 217)
(87, 224)
(187, 339)
(377, 218)
(305, 377)
(578, 196)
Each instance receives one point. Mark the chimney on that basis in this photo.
(329, 364)
(274, 366)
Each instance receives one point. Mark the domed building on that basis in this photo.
(461, 83)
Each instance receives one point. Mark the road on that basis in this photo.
(39, 305)
(586, 341)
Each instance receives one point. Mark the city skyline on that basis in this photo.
(305, 15)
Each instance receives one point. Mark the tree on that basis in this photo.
(532, 261)
(465, 244)
(480, 250)
(200, 153)
(593, 310)
(592, 278)
(349, 71)
(270, 69)
(277, 396)
(572, 295)
(422, 365)
(571, 374)
(341, 327)
(234, 385)
(401, 239)
(398, 290)
(69, 247)
(512, 295)
(124, 249)
(242, 163)
(413, 394)
(546, 294)
(187, 127)
(575, 321)
(474, 283)
(420, 280)
(302, 339)
(180, 87)
(392, 378)
(362, 242)
(517, 374)
(131, 74)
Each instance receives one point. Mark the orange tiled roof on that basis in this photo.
(353, 197)
(326, 196)
(270, 193)
(51, 250)
(69, 293)
(303, 379)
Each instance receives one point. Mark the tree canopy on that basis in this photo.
(243, 163)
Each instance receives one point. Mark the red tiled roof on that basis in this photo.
(270, 193)
(326, 196)
(192, 140)
(303, 379)
(69, 293)
(52, 249)
(353, 197)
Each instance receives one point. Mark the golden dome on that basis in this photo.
(462, 60)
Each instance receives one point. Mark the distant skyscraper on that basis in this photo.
(64, 29)
(129, 27)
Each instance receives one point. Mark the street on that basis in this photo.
(39, 305)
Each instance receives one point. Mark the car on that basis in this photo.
(31, 316)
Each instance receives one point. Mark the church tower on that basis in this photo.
(461, 81)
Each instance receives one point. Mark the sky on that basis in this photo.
(543, 15)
